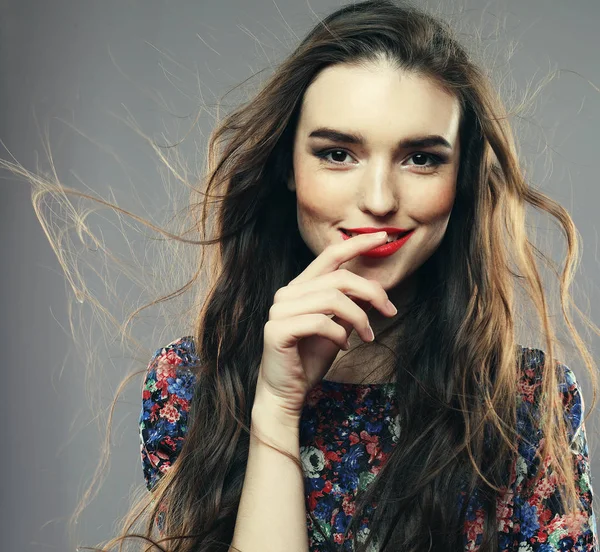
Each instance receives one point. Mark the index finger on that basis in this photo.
(336, 254)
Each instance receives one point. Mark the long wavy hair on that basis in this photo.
(453, 391)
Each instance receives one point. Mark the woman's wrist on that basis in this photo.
(269, 414)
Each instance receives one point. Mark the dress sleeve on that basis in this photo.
(166, 397)
(540, 522)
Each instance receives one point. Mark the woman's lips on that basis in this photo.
(395, 234)
(385, 249)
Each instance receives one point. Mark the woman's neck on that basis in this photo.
(365, 362)
(373, 362)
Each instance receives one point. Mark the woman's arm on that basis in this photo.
(272, 512)
(541, 523)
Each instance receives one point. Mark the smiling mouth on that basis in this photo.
(390, 238)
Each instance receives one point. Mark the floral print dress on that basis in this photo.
(347, 432)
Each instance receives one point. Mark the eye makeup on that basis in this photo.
(436, 160)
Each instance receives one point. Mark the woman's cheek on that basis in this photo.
(434, 203)
(319, 201)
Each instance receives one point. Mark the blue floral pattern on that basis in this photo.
(347, 432)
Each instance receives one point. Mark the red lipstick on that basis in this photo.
(369, 230)
(387, 248)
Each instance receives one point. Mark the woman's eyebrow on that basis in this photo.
(357, 138)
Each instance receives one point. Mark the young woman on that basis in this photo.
(383, 368)
(348, 389)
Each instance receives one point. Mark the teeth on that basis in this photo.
(390, 238)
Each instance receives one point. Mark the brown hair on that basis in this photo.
(460, 386)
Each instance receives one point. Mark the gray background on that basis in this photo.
(55, 64)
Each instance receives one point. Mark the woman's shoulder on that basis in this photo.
(166, 396)
(533, 368)
(180, 352)
(170, 370)
(539, 511)
(170, 376)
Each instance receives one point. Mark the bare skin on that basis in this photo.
(368, 363)
(377, 183)
(346, 369)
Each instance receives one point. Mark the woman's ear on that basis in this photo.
(291, 183)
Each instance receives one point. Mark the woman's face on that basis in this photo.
(382, 181)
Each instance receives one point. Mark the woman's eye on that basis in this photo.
(420, 160)
(340, 153)
(436, 160)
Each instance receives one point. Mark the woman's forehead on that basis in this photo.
(379, 103)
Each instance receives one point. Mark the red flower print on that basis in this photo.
(164, 467)
(545, 487)
(373, 444)
(169, 412)
(154, 460)
(165, 368)
(163, 386)
(557, 523)
(153, 411)
(312, 499)
(544, 515)
(332, 455)
(168, 440)
(159, 457)
(527, 390)
(475, 527)
(181, 402)
(504, 512)
(348, 506)
(574, 524)
(172, 357)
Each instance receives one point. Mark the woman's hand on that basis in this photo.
(300, 340)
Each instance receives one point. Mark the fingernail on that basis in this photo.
(372, 335)
(391, 307)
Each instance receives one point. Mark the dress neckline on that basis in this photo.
(343, 384)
